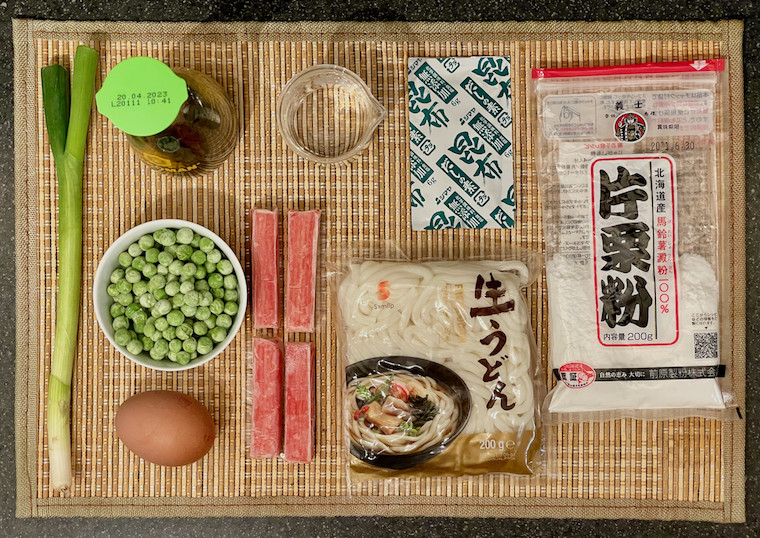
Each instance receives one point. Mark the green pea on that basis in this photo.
(165, 258)
(200, 273)
(139, 326)
(172, 355)
(230, 308)
(121, 337)
(134, 250)
(183, 357)
(175, 345)
(125, 260)
(163, 306)
(156, 355)
(132, 275)
(117, 310)
(172, 249)
(184, 236)
(156, 282)
(200, 328)
(147, 343)
(147, 300)
(132, 335)
(149, 270)
(210, 322)
(184, 252)
(146, 242)
(160, 348)
(195, 243)
(201, 285)
(190, 345)
(230, 282)
(218, 293)
(192, 298)
(186, 287)
(113, 289)
(189, 269)
(139, 288)
(175, 267)
(206, 244)
(202, 312)
(224, 321)
(224, 267)
(124, 299)
(206, 298)
(178, 300)
(156, 336)
(135, 346)
(138, 263)
(159, 295)
(188, 310)
(218, 334)
(162, 270)
(210, 267)
(150, 328)
(161, 324)
(214, 256)
(217, 306)
(120, 323)
(205, 345)
(117, 275)
(231, 295)
(166, 238)
(215, 281)
(140, 316)
(193, 355)
(175, 318)
(151, 255)
(131, 310)
(169, 334)
(184, 331)
(172, 288)
(198, 257)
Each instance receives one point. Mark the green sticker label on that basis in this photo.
(141, 96)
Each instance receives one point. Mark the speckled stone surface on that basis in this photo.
(291, 10)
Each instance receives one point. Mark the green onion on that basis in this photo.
(67, 132)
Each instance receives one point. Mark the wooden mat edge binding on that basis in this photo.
(732, 510)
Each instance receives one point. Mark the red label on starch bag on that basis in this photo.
(576, 375)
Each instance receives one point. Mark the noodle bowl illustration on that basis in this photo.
(403, 411)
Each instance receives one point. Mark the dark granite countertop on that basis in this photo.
(291, 10)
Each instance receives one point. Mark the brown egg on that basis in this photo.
(165, 427)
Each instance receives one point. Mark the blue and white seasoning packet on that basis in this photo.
(460, 115)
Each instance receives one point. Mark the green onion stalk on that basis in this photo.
(67, 116)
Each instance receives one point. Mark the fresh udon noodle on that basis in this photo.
(431, 433)
(427, 314)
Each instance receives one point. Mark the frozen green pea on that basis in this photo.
(135, 346)
(132, 275)
(175, 345)
(230, 282)
(200, 273)
(140, 316)
(121, 337)
(186, 287)
(200, 328)
(172, 288)
(124, 299)
(171, 249)
(210, 267)
(218, 334)
(162, 269)
(198, 257)
(175, 267)
(116, 275)
(205, 345)
(206, 298)
(165, 258)
(156, 354)
(161, 324)
(196, 242)
(117, 310)
(113, 290)
(138, 263)
(230, 308)
(138, 326)
(201, 285)
(147, 343)
(123, 286)
(134, 250)
(163, 306)
(146, 242)
(132, 334)
(149, 270)
(157, 233)
(139, 288)
(215, 281)
(218, 293)
(210, 322)
(213, 256)
(190, 345)
(202, 312)
(170, 333)
(184, 331)
(131, 310)
(147, 300)
(225, 267)
(216, 306)
(160, 294)
(120, 323)
(184, 252)
(193, 355)
(230, 295)
(178, 300)
(185, 236)
(162, 345)
(156, 336)
(183, 357)
(206, 244)
(190, 279)
(188, 310)
(171, 278)
(175, 318)
(166, 238)
(156, 282)
(192, 298)
(189, 269)
(151, 255)
(125, 260)
(150, 328)
(172, 355)
(224, 321)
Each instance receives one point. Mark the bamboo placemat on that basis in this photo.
(680, 469)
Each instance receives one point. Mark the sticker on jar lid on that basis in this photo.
(141, 96)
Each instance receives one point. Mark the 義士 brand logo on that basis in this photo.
(630, 127)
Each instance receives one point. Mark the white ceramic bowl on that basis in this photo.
(103, 301)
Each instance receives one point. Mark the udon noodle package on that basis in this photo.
(633, 173)
(440, 367)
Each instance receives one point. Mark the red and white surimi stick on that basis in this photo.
(264, 278)
(301, 277)
(299, 402)
(266, 392)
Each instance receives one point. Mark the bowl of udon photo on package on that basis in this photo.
(441, 367)
(404, 410)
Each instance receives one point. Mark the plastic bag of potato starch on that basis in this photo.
(629, 160)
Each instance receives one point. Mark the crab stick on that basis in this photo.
(266, 394)
(301, 277)
(264, 292)
(299, 402)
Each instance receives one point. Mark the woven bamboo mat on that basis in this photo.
(681, 469)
